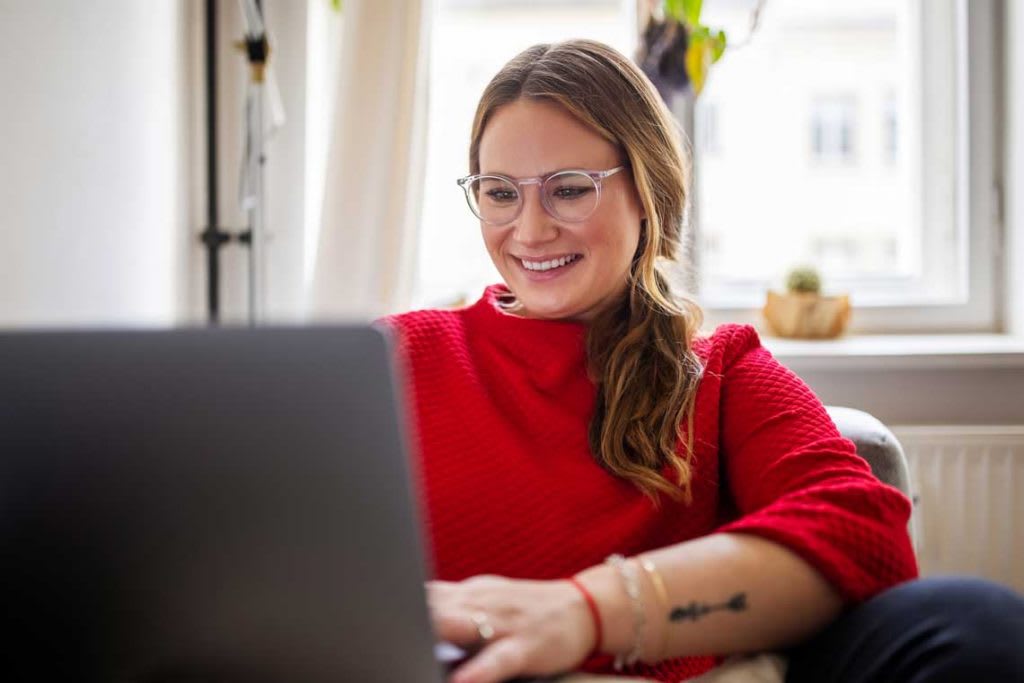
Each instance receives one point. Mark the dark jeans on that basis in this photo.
(931, 630)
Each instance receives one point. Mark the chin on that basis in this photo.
(538, 307)
(569, 300)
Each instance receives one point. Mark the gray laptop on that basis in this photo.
(207, 505)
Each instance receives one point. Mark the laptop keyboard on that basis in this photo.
(451, 656)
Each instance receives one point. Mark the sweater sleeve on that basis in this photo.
(797, 482)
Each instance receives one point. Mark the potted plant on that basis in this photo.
(802, 311)
(676, 49)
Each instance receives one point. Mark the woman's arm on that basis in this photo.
(726, 593)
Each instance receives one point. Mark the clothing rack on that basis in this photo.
(214, 236)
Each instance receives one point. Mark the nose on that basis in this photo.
(534, 224)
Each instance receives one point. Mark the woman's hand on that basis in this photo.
(539, 627)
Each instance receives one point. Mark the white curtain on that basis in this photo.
(365, 252)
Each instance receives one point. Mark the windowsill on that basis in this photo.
(879, 352)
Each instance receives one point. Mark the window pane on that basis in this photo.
(835, 134)
(471, 40)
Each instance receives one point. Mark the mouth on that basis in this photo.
(548, 265)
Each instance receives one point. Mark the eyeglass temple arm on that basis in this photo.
(604, 174)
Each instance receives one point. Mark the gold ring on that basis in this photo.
(483, 626)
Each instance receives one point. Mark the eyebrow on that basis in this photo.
(542, 175)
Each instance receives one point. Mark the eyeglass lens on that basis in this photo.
(569, 196)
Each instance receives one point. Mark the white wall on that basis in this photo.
(94, 152)
(1014, 181)
(964, 392)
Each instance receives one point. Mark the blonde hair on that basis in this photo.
(639, 349)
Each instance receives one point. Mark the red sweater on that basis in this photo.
(500, 407)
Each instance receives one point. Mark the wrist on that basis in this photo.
(658, 609)
(585, 603)
(613, 605)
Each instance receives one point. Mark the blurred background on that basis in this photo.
(870, 139)
(879, 141)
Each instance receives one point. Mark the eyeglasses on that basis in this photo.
(570, 195)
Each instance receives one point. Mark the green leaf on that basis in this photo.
(336, 4)
(698, 60)
(692, 9)
(718, 44)
(675, 9)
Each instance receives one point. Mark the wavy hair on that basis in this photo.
(639, 348)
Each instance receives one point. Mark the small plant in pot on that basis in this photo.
(802, 312)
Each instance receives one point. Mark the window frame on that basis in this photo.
(978, 220)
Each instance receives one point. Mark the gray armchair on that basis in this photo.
(875, 443)
(878, 445)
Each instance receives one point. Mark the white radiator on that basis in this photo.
(968, 483)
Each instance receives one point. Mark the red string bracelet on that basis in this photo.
(594, 615)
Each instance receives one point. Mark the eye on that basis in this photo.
(571, 191)
(502, 195)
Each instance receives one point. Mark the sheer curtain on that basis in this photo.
(373, 178)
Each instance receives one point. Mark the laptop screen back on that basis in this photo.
(208, 505)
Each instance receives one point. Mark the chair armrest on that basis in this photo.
(875, 443)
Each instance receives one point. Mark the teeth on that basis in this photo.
(548, 265)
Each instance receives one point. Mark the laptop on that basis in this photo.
(208, 505)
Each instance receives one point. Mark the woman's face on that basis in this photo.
(530, 138)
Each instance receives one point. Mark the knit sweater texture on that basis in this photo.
(499, 410)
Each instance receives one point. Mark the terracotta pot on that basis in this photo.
(806, 316)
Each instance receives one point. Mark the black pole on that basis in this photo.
(212, 236)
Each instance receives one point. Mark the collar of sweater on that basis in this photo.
(549, 347)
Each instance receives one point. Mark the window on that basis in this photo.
(890, 130)
(859, 135)
(708, 140)
(854, 135)
(833, 124)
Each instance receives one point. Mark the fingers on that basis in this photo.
(518, 627)
(456, 618)
(464, 628)
(497, 662)
(438, 591)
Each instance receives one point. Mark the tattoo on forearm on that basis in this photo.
(695, 610)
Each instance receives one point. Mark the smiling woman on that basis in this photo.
(558, 268)
(565, 107)
(604, 488)
(470, 41)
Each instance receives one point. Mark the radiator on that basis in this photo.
(968, 486)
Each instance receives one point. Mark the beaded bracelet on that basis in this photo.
(630, 581)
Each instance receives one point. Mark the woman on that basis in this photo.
(605, 489)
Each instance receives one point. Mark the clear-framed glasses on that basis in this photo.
(569, 195)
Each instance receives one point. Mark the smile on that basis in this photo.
(540, 266)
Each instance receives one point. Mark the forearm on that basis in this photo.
(726, 593)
